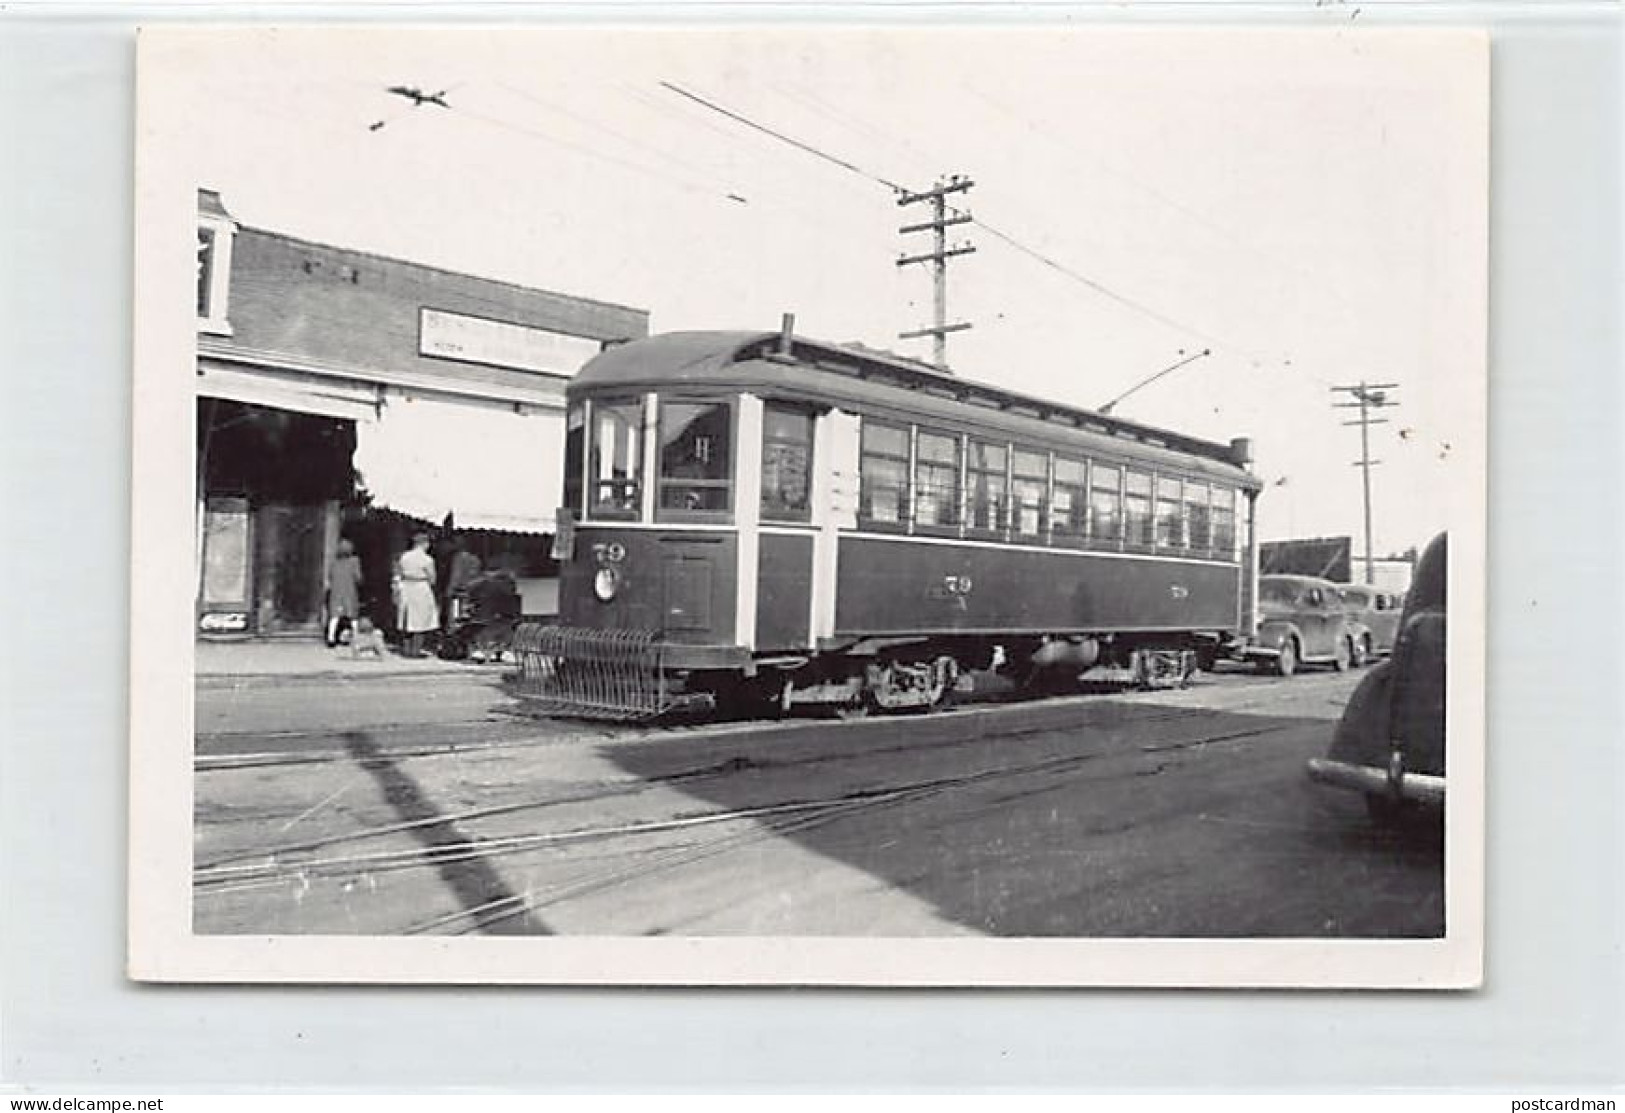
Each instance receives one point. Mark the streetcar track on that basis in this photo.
(272, 872)
(728, 767)
(335, 754)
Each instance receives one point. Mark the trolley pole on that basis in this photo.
(941, 220)
(1367, 397)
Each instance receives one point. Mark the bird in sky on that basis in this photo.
(418, 97)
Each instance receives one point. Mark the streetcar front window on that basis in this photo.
(615, 458)
(787, 436)
(695, 461)
(575, 470)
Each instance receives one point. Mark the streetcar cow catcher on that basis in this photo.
(760, 520)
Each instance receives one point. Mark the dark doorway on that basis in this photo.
(293, 471)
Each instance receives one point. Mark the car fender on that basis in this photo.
(1273, 632)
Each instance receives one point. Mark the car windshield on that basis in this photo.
(1277, 591)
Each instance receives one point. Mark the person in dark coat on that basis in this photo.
(462, 569)
(343, 593)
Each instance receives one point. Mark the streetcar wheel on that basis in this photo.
(1343, 655)
(1287, 663)
(857, 709)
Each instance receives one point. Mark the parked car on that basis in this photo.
(1377, 611)
(1301, 620)
(1390, 744)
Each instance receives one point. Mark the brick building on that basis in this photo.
(344, 394)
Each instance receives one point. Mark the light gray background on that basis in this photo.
(1553, 1012)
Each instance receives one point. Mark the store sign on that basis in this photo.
(502, 344)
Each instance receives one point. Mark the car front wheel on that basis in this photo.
(1287, 663)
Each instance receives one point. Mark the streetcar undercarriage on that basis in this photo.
(619, 674)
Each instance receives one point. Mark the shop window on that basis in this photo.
(1105, 505)
(986, 466)
(883, 495)
(1138, 527)
(1071, 507)
(936, 481)
(214, 240)
(787, 436)
(1170, 514)
(1030, 495)
(615, 459)
(695, 462)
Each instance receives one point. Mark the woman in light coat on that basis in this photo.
(416, 612)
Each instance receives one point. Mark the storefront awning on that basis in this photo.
(483, 463)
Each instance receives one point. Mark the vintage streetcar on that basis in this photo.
(762, 518)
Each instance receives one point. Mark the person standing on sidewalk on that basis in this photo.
(463, 569)
(415, 611)
(343, 593)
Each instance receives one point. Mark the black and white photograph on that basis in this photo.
(810, 505)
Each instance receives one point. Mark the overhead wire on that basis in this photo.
(615, 133)
(783, 138)
(1007, 238)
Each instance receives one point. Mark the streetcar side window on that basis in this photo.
(883, 479)
(1105, 509)
(787, 439)
(989, 500)
(575, 470)
(615, 458)
(1138, 527)
(1199, 532)
(1070, 512)
(1170, 514)
(695, 461)
(1224, 522)
(1031, 472)
(936, 480)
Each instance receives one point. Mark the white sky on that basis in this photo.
(1310, 205)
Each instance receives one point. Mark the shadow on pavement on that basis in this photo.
(491, 905)
(1111, 819)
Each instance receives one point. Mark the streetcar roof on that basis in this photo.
(741, 358)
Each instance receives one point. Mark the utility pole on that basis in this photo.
(941, 220)
(1367, 397)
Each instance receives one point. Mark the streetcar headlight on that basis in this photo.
(606, 583)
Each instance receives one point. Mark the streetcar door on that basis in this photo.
(787, 535)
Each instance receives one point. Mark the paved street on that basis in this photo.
(410, 804)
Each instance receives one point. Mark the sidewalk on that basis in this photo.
(216, 661)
